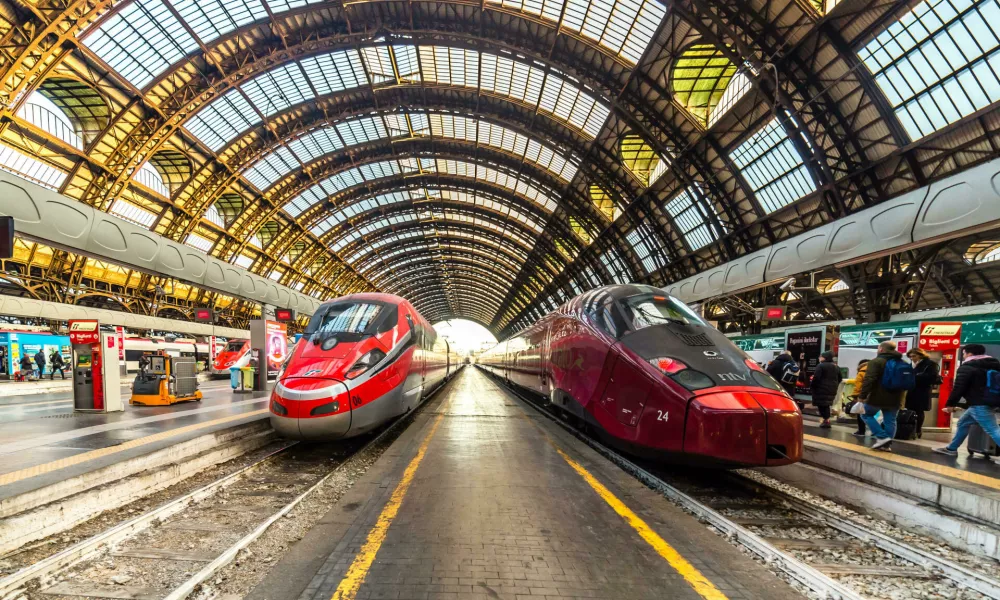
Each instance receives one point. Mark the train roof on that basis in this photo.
(627, 290)
(372, 296)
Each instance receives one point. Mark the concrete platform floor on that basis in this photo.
(481, 497)
(42, 440)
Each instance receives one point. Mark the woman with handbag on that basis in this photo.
(862, 369)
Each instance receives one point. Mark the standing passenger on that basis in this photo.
(57, 364)
(877, 395)
(862, 369)
(971, 383)
(785, 371)
(824, 385)
(925, 371)
(40, 361)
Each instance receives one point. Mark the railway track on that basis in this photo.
(168, 552)
(818, 550)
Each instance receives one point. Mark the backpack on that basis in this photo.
(790, 372)
(898, 376)
(992, 391)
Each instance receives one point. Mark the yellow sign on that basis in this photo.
(941, 329)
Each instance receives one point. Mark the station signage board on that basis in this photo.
(774, 313)
(938, 336)
(286, 315)
(84, 331)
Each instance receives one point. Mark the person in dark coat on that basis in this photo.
(40, 361)
(970, 383)
(878, 398)
(58, 364)
(777, 368)
(824, 385)
(925, 371)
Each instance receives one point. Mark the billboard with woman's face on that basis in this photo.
(277, 347)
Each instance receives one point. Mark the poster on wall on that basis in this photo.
(277, 347)
(120, 334)
(806, 346)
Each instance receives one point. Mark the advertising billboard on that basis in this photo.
(276, 348)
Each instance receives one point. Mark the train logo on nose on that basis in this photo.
(312, 372)
(711, 353)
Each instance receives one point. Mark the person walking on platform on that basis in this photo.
(57, 364)
(925, 371)
(884, 388)
(824, 385)
(785, 371)
(862, 369)
(978, 373)
(40, 361)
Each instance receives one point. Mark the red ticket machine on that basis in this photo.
(941, 340)
(95, 368)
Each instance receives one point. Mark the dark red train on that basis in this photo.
(364, 359)
(651, 377)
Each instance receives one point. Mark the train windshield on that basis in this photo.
(345, 318)
(235, 346)
(649, 310)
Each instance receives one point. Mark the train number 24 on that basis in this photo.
(662, 415)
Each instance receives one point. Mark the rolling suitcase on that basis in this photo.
(906, 425)
(981, 443)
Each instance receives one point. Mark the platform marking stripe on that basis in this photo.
(975, 478)
(358, 570)
(15, 476)
(689, 572)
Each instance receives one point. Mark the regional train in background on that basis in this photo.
(651, 377)
(363, 360)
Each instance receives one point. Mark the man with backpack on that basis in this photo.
(58, 364)
(40, 361)
(978, 381)
(785, 371)
(884, 388)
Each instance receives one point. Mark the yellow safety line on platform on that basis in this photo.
(983, 480)
(356, 574)
(705, 588)
(15, 476)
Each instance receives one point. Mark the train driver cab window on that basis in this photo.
(648, 310)
(611, 318)
(235, 346)
(344, 321)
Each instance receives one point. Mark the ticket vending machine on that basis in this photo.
(96, 382)
(941, 340)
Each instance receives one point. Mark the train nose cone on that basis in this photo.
(310, 408)
(744, 427)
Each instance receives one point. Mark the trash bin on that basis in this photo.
(234, 377)
(247, 378)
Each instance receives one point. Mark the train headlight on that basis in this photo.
(669, 366)
(369, 360)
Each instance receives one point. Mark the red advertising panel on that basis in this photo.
(284, 314)
(120, 334)
(277, 347)
(84, 331)
(942, 338)
(203, 315)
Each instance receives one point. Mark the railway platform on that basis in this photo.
(482, 497)
(954, 498)
(58, 467)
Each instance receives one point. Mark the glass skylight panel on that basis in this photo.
(694, 225)
(148, 176)
(315, 144)
(211, 19)
(222, 120)
(938, 63)
(639, 239)
(133, 214)
(275, 275)
(242, 260)
(278, 89)
(625, 26)
(212, 215)
(615, 266)
(573, 105)
(363, 130)
(271, 168)
(30, 168)
(383, 69)
(335, 71)
(199, 243)
(773, 167)
(141, 41)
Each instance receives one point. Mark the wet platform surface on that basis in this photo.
(482, 497)
(39, 434)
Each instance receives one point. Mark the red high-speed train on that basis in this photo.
(651, 377)
(363, 360)
(236, 354)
